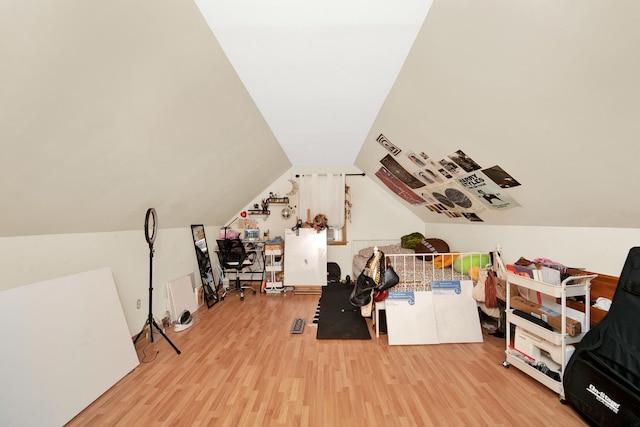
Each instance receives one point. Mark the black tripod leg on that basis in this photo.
(141, 331)
(162, 333)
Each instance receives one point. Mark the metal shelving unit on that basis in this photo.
(574, 286)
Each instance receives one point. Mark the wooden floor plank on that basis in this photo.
(241, 366)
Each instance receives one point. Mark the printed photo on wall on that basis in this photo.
(428, 198)
(437, 177)
(450, 167)
(464, 161)
(453, 214)
(455, 198)
(388, 145)
(487, 191)
(416, 160)
(424, 177)
(401, 173)
(473, 217)
(441, 170)
(398, 187)
(500, 177)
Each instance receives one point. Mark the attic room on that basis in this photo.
(201, 109)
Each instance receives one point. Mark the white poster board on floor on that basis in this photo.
(456, 312)
(411, 318)
(446, 314)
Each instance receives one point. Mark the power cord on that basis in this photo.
(144, 354)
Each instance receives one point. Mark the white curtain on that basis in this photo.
(323, 194)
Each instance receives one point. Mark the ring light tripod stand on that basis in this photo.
(150, 229)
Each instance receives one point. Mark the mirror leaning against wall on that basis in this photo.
(209, 287)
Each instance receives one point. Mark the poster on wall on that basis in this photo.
(398, 187)
(417, 160)
(472, 217)
(464, 161)
(486, 191)
(455, 198)
(500, 177)
(400, 172)
(382, 140)
(425, 177)
(451, 168)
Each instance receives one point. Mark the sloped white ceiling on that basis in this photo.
(109, 108)
(548, 90)
(318, 71)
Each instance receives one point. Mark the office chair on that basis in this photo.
(234, 257)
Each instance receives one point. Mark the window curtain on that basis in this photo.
(323, 194)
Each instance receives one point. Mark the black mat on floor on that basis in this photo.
(338, 319)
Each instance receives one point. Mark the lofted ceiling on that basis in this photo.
(110, 108)
(318, 72)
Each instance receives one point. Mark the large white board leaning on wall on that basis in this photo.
(305, 257)
(64, 343)
(181, 296)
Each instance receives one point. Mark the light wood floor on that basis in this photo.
(241, 366)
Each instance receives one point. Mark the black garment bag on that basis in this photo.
(602, 378)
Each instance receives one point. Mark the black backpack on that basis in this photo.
(333, 272)
(602, 378)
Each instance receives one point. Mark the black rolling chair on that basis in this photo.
(234, 258)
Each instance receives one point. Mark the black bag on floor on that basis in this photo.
(602, 378)
(333, 272)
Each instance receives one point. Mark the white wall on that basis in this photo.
(374, 215)
(378, 215)
(603, 250)
(31, 259)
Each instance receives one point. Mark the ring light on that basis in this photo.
(150, 226)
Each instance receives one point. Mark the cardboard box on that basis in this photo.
(501, 289)
(552, 317)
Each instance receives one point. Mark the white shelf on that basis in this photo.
(272, 267)
(574, 286)
(546, 334)
(274, 287)
(517, 362)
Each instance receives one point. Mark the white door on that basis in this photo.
(305, 257)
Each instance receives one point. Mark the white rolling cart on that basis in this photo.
(274, 262)
(550, 347)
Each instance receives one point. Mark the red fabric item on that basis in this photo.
(490, 297)
(380, 296)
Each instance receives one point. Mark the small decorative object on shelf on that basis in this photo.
(260, 209)
(279, 200)
(320, 222)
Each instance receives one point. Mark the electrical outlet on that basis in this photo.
(138, 304)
